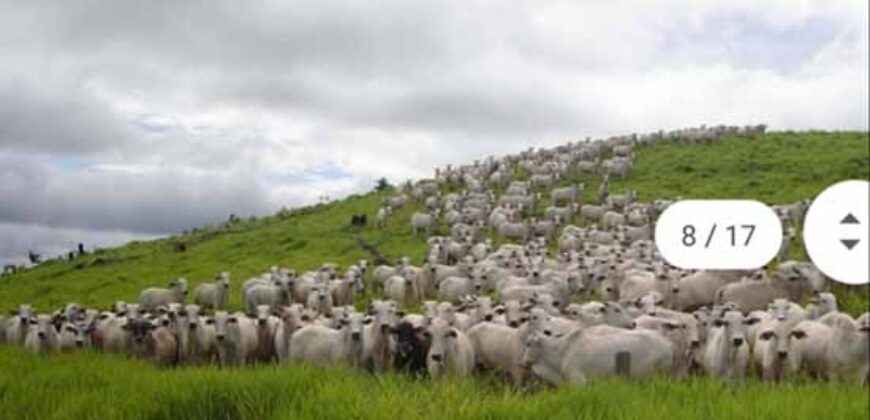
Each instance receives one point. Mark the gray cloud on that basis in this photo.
(60, 120)
(159, 116)
(143, 200)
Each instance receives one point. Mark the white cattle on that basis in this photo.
(771, 350)
(500, 347)
(274, 294)
(213, 296)
(591, 353)
(402, 290)
(836, 347)
(236, 337)
(153, 297)
(41, 336)
(15, 327)
(322, 346)
(450, 352)
(727, 352)
(453, 288)
(377, 335)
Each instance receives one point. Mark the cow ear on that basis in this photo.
(400, 314)
(670, 326)
(718, 323)
(751, 321)
(499, 310)
(799, 334)
(452, 333)
(232, 320)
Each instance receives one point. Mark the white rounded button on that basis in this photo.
(835, 232)
(718, 234)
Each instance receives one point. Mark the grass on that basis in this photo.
(775, 168)
(110, 387)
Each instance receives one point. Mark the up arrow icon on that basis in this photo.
(850, 219)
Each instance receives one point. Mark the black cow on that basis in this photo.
(412, 346)
(358, 220)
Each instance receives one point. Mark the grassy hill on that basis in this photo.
(775, 168)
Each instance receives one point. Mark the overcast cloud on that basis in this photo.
(122, 120)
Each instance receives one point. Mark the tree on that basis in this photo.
(382, 185)
(34, 257)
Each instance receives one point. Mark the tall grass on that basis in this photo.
(85, 386)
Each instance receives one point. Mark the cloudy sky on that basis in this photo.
(123, 120)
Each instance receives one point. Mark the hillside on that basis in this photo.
(779, 167)
(774, 168)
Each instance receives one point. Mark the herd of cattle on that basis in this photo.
(575, 291)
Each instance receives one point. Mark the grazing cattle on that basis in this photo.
(836, 347)
(41, 336)
(322, 346)
(771, 349)
(679, 334)
(568, 195)
(319, 299)
(621, 201)
(727, 352)
(377, 339)
(213, 296)
(450, 353)
(453, 288)
(821, 305)
(699, 289)
(236, 337)
(759, 291)
(292, 318)
(499, 347)
(516, 231)
(152, 342)
(403, 290)
(358, 220)
(154, 297)
(591, 353)
(424, 221)
(68, 336)
(15, 327)
(412, 347)
(267, 327)
(382, 217)
(274, 295)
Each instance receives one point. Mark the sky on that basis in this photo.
(124, 120)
